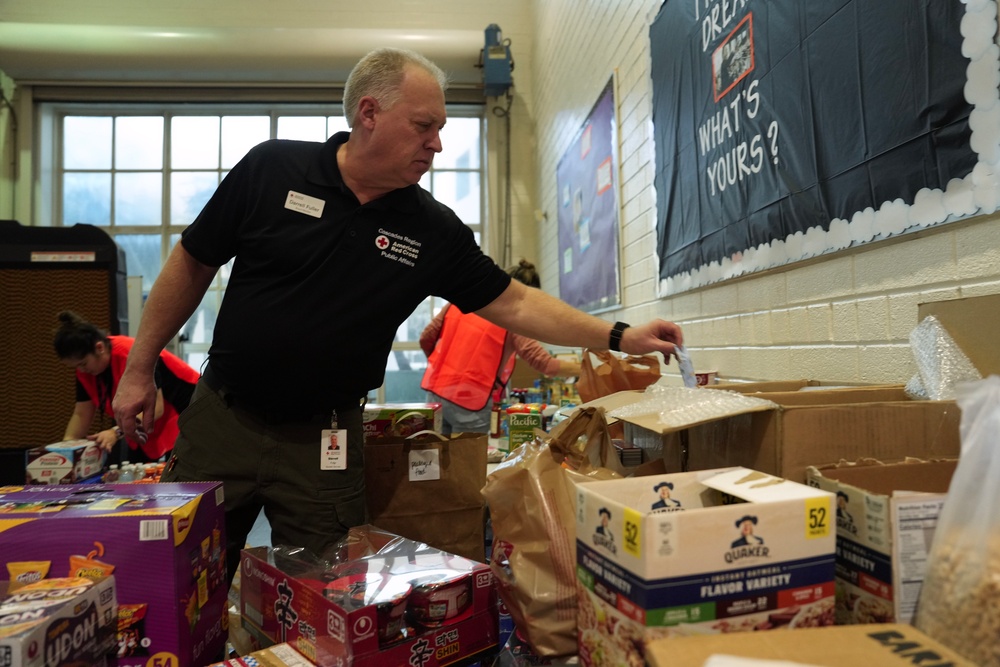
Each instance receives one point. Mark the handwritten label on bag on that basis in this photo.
(424, 464)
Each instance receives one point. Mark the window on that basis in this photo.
(143, 173)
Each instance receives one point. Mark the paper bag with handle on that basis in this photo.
(612, 373)
(531, 500)
(427, 487)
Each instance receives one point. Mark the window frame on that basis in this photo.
(51, 172)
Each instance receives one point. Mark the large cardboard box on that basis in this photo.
(372, 611)
(54, 622)
(699, 552)
(797, 429)
(164, 544)
(891, 645)
(886, 516)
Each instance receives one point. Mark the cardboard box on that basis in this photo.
(798, 429)
(329, 616)
(164, 543)
(279, 655)
(401, 419)
(891, 645)
(54, 622)
(689, 553)
(65, 462)
(886, 516)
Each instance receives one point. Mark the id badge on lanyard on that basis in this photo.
(333, 447)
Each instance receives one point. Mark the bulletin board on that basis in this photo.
(786, 130)
(587, 179)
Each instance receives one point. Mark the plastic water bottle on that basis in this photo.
(112, 475)
(126, 474)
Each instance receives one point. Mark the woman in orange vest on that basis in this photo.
(470, 360)
(99, 360)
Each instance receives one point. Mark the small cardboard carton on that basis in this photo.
(400, 419)
(886, 516)
(61, 621)
(66, 462)
(699, 552)
(164, 544)
(279, 655)
(786, 432)
(426, 607)
(889, 645)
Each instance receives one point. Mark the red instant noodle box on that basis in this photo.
(425, 607)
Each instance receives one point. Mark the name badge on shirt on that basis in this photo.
(296, 201)
(333, 449)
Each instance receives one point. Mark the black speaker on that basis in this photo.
(44, 270)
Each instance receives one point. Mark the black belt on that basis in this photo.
(270, 413)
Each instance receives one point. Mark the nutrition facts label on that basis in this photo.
(914, 522)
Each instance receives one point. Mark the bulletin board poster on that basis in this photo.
(587, 179)
(786, 129)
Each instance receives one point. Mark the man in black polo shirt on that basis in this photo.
(335, 244)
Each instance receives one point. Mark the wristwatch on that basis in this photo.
(615, 339)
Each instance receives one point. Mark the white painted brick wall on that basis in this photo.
(845, 318)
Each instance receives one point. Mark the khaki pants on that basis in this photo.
(274, 466)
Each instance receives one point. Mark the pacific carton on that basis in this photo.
(699, 552)
(889, 645)
(886, 516)
(426, 607)
(164, 544)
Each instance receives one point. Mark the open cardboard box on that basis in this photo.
(886, 516)
(796, 429)
(888, 645)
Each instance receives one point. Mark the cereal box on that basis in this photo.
(703, 552)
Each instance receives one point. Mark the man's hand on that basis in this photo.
(654, 336)
(136, 396)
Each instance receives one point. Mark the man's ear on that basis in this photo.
(368, 109)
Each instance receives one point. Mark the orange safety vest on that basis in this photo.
(467, 362)
(165, 428)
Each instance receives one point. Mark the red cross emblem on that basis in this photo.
(382, 242)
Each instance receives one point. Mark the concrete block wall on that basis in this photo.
(845, 317)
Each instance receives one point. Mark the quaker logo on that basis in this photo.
(603, 537)
(748, 544)
(844, 519)
(665, 503)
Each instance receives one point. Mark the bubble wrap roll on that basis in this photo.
(941, 364)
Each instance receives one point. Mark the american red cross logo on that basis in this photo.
(382, 242)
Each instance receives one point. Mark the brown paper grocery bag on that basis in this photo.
(613, 373)
(531, 500)
(447, 513)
